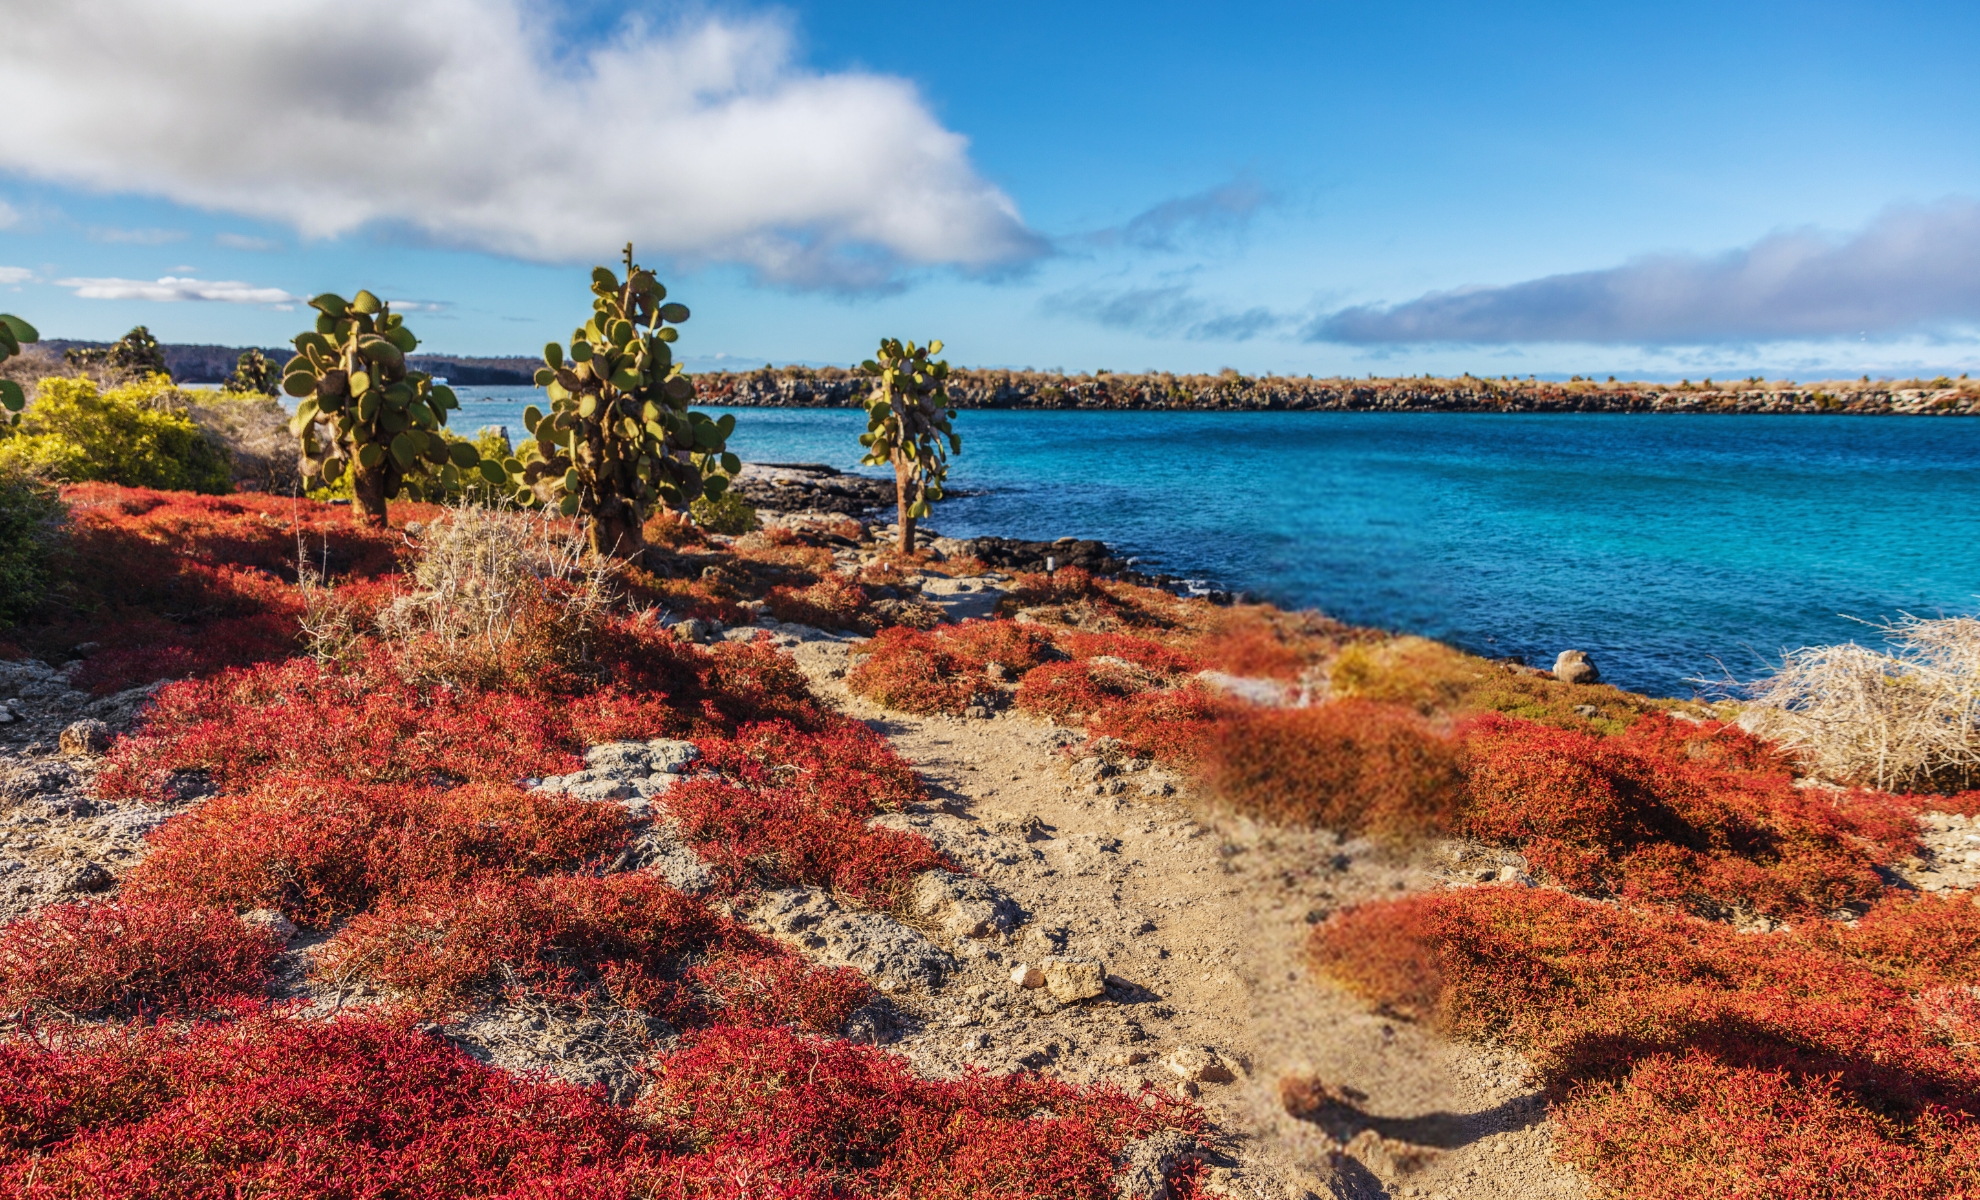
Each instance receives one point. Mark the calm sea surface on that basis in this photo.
(1669, 547)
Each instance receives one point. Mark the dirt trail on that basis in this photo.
(1199, 922)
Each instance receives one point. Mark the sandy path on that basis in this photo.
(1203, 918)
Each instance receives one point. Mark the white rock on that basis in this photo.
(1027, 976)
(1071, 980)
(1199, 1064)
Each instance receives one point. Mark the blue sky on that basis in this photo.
(1662, 190)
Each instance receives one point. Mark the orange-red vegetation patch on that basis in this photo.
(1353, 765)
(846, 771)
(369, 723)
(447, 947)
(168, 583)
(308, 1109)
(1648, 1028)
(131, 958)
(941, 670)
(861, 1124)
(323, 849)
(1171, 726)
(834, 602)
(1703, 815)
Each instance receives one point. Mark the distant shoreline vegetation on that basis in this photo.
(1230, 391)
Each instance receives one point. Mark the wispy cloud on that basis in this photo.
(468, 121)
(1911, 269)
(1216, 211)
(9, 215)
(1164, 310)
(243, 241)
(136, 237)
(173, 288)
(15, 274)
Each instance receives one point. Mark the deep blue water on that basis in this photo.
(1669, 547)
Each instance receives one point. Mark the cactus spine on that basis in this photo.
(361, 410)
(14, 333)
(908, 419)
(619, 439)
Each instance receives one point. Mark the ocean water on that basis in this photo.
(1670, 548)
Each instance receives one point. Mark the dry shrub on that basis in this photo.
(1431, 677)
(1706, 816)
(499, 596)
(1652, 1032)
(1907, 718)
(132, 958)
(1354, 765)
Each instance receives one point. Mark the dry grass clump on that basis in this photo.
(1354, 765)
(499, 595)
(1908, 718)
(1431, 677)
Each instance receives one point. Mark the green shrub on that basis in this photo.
(728, 513)
(31, 515)
(138, 434)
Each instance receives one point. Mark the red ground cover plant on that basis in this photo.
(323, 849)
(1705, 816)
(859, 1121)
(168, 583)
(270, 1106)
(782, 836)
(1674, 1048)
(377, 726)
(131, 958)
(448, 947)
(941, 670)
(834, 602)
(848, 771)
(1353, 765)
(1171, 726)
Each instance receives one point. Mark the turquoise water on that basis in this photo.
(1670, 548)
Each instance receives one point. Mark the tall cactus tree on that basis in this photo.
(619, 440)
(364, 412)
(908, 419)
(14, 333)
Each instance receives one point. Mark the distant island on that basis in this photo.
(1228, 391)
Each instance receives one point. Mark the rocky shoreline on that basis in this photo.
(831, 387)
(815, 489)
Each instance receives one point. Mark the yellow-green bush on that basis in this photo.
(1435, 679)
(137, 434)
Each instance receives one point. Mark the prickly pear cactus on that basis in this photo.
(619, 440)
(14, 333)
(908, 420)
(362, 411)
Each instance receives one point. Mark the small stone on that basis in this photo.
(278, 926)
(977, 712)
(91, 878)
(1071, 980)
(1199, 1064)
(671, 757)
(1574, 666)
(1128, 1058)
(1027, 976)
(85, 739)
(1587, 710)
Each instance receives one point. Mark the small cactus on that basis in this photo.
(14, 333)
(619, 439)
(908, 420)
(253, 375)
(361, 410)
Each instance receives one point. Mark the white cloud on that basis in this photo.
(174, 288)
(1911, 269)
(136, 237)
(458, 118)
(15, 274)
(9, 215)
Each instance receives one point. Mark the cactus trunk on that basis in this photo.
(615, 532)
(904, 476)
(372, 486)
